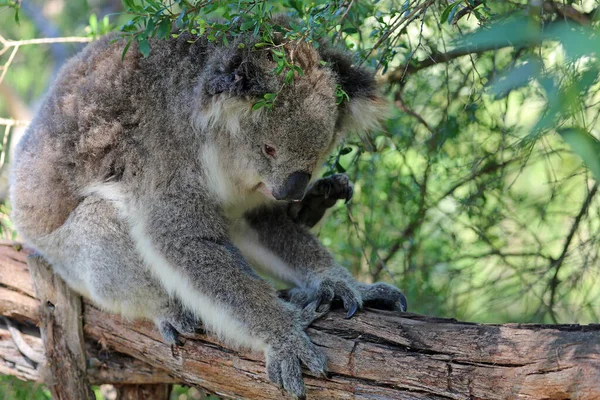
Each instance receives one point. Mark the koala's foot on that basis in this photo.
(177, 320)
(383, 296)
(285, 359)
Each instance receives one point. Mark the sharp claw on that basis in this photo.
(352, 310)
(403, 303)
(349, 194)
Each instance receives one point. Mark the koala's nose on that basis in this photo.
(294, 187)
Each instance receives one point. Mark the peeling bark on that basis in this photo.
(376, 354)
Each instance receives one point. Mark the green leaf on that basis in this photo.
(129, 4)
(93, 24)
(513, 32)
(247, 25)
(164, 28)
(585, 145)
(125, 49)
(515, 77)
(289, 77)
(149, 27)
(446, 13)
(144, 47)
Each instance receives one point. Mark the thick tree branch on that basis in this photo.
(374, 355)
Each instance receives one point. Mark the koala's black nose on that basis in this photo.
(294, 187)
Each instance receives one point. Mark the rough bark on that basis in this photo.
(65, 370)
(376, 354)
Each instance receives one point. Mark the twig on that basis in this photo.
(407, 19)
(16, 44)
(13, 122)
(558, 263)
(21, 344)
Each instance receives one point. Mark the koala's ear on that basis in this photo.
(238, 74)
(366, 108)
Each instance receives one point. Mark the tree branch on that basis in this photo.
(376, 354)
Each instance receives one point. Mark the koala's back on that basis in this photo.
(99, 119)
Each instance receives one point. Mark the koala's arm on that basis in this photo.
(183, 237)
(288, 249)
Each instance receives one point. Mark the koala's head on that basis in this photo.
(278, 150)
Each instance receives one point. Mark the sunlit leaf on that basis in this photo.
(585, 145)
(516, 77)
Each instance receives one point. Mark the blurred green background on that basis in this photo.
(478, 197)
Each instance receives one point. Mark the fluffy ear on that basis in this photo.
(366, 109)
(236, 73)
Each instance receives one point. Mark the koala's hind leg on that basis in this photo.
(94, 253)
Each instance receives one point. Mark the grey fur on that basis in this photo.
(136, 175)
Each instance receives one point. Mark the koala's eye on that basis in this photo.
(269, 151)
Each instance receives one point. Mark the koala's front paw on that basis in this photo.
(383, 296)
(344, 289)
(285, 358)
(352, 294)
(334, 187)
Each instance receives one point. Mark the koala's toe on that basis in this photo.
(350, 297)
(291, 376)
(274, 372)
(312, 312)
(300, 297)
(314, 359)
(169, 334)
(341, 187)
(325, 293)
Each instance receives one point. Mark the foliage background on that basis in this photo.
(478, 197)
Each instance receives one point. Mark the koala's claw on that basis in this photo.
(351, 310)
(285, 359)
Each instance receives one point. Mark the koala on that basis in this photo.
(153, 188)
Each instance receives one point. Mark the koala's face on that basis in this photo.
(278, 151)
(288, 148)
